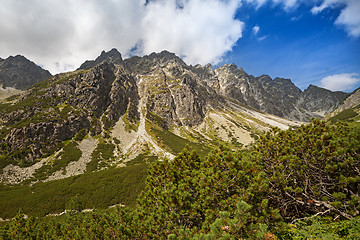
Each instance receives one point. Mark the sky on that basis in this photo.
(308, 41)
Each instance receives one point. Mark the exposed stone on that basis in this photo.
(20, 73)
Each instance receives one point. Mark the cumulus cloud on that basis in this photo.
(61, 34)
(341, 82)
(201, 31)
(349, 16)
(288, 4)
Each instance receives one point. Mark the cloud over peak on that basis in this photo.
(201, 31)
(60, 35)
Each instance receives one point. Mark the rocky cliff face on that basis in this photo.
(320, 100)
(170, 89)
(20, 73)
(58, 108)
(352, 101)
(276, 96)
(153, 105)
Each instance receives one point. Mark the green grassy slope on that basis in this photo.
(95, 190)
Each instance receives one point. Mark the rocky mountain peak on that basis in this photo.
(320, 100)
(112, 56)
(165, 57)
(20, 73)
(113, 53)
(159, 61)
(264, 78)
(231, 67)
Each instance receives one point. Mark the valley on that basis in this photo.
(94, 133)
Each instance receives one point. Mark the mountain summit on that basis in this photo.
(20, 73)
(113, 56)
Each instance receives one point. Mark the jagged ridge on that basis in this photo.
(146, 106)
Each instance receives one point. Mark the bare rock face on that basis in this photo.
(276, 96)
(172, 91)
(20, 73)
(323, 101)
(63, 105)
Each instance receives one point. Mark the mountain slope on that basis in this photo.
(349, 110)
(276, 96)
(320, 100)
(20, 73)
(116, 114)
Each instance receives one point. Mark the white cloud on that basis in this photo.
(325, 4)
(287, 4)
(258, 3)
(262, 38)
(61, 34)
(256, 29)
(349, 16)
(341, 82)
(201, 31)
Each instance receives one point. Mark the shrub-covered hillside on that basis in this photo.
(294, 184)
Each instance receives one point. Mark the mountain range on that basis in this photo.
(116, 112)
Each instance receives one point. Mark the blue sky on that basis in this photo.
(295, 44)
(308, 41)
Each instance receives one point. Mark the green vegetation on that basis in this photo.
(107, 122)
(70, 153)
(313, 169)
(80, 135)
(102, 155)
(142, 158)
(172, 142)
(94, 190)
(130, 126)
(294, 184)
(345, 115)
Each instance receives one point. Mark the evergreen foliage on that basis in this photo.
(312, 170)
(188, 193)
(294, 184)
